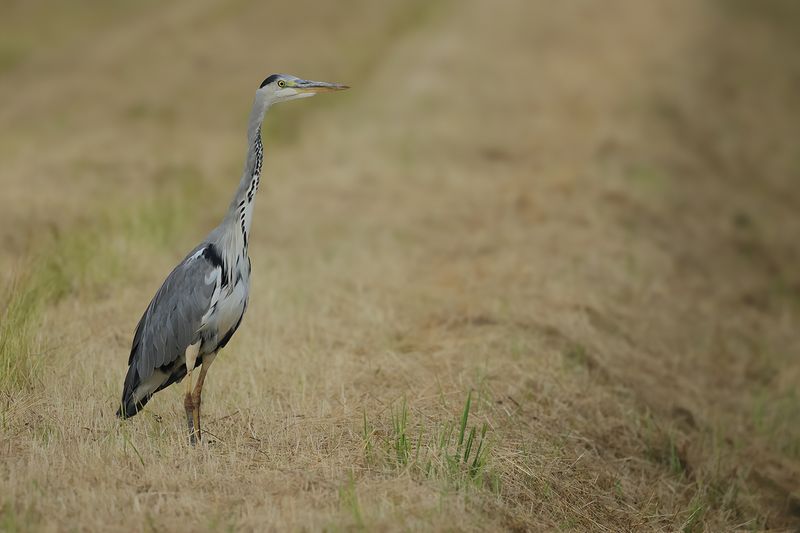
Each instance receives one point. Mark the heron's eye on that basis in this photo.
(281, 83)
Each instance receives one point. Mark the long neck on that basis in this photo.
(240, 212)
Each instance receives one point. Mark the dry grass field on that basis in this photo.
(538, 270)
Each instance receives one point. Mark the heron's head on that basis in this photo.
(282, 87)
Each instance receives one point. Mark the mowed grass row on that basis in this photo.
(87, 262)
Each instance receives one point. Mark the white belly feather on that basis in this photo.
(227, 304)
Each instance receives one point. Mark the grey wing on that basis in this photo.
(172, 320)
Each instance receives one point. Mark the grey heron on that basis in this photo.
(201, 303)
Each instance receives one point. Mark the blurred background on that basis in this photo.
(586, 213)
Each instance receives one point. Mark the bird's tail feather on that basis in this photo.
(128, 406)
(136, 393)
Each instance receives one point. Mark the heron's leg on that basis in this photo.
(191, 357)
(198, 391)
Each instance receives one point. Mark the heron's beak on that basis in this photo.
(314, 87)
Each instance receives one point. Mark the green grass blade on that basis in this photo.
(468, 447)
(464, 419)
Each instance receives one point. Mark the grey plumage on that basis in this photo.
(172, 322)
(201, 303)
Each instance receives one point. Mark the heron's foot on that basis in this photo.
(188, 405)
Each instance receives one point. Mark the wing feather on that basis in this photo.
(173, 319)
